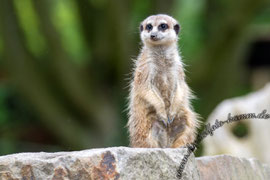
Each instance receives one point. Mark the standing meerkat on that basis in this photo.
(160, 114)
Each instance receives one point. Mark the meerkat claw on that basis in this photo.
(170, 120)
(165, 123)
(163, 120)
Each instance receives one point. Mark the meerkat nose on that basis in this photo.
(153, 36)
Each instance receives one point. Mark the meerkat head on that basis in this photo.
(159, 29)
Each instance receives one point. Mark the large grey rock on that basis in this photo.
(127, 164)
(109, 163)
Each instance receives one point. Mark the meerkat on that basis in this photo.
(160, 114)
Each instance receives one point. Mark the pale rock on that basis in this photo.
(256, 142)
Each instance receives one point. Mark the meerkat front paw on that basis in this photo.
(170, 119)
(166, 120)
(163, 119)
(172, 114)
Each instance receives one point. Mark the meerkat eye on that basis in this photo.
(149, 27)
(163, 27)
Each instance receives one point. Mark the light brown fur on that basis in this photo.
(159, 91)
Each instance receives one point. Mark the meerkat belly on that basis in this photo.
(165, 84)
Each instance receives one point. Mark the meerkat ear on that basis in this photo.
(176, 28)
(141, 27)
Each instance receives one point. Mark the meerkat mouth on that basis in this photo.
(156, 39)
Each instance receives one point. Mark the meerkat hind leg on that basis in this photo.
(159, 134)
(182, 141)
(177, 130)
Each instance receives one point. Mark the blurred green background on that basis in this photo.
(65, 64)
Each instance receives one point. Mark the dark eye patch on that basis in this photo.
(149, 27)
(163, 27)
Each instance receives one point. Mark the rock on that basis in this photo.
(233, 168)
(109, 163)
(253, 140)
(125, 163)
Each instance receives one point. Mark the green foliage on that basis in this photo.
(1, 46)
(263, 17)
(31, 27)
(98, 3)
(190, 14)
(7, 146)
(3, 110)
(64, 15)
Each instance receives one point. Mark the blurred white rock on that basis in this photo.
(254, 138)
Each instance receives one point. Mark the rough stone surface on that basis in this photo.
(110, 163)
(127, 163)
(233, 168)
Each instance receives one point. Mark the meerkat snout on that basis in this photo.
(159, 30)
(154, 36)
